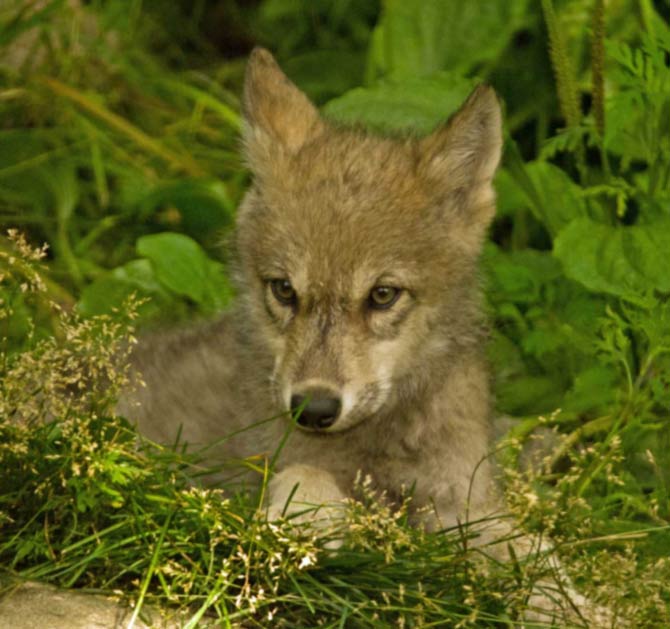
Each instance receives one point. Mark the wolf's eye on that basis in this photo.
(283, 291)
(382, 297)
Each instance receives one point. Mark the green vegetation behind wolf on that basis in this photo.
(359, 302)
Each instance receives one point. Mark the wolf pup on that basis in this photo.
(359, 303)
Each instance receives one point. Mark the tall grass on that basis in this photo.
(101, 143)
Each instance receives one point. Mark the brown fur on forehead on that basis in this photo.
(360, 162)
(344, 200)
(346, 162)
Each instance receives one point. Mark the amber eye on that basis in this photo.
(382, 297)
(283, 291)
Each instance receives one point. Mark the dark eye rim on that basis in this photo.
(276, 285)
(373, 305)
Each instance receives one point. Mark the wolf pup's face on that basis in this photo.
(358, 253)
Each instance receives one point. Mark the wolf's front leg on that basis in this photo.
(308, 491)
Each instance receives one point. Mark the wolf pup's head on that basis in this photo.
(358, 253)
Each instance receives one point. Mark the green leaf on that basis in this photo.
(139, 273)
(176, 269)
(417, 105)
(623, 261)
(179, 262)
(550, 194)
(204, 205)
(421, 38)
(103, 295)
(509, 194)
(345, 71)
(112, 289)
(528, 395)
(593, 388)
(519, 276)
(218, 291)
(505, 355)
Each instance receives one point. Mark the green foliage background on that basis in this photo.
(119, 126)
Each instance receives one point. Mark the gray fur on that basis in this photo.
(338, 212)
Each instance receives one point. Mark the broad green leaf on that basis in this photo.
(543, 340)
(103, 295)
(179, 262)
(505, 355)
(161, 300)
(593, 388)
(218, 292)
(109, 291)
(417, 105)
(345, 71)
(420, 38)
(579, 314)
(528, 395)
(519, 276)
(623, 261)
(204, 206)
(550, 194)
(509, 195)
(139, 273)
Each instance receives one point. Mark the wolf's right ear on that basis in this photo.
(276, 112)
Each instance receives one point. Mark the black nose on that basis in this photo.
(319, 409)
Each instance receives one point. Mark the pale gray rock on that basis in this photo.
(33, 605)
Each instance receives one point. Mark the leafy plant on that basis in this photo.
(608, 230)
(123, 157)
(172, 274)
(102, 145)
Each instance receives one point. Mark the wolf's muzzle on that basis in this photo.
(319, 409)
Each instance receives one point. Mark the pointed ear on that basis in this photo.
(461, 157)
(276, 111)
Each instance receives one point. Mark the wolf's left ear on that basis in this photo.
(461, 157)
(276, 112)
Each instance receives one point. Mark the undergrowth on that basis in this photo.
(92, 505)
(118, 147)
(89, 504)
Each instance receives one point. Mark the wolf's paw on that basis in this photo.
(309, 497)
